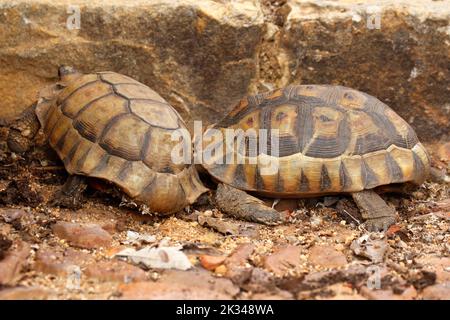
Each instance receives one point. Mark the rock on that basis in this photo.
(114, 270)
(199, 55)
(422, 278)
(220, 225)
(443, 152)
(229, 227)
(338, 291)
(443, 205)
(343, 291)
(260, 281)
(221, 270)
(135, 238)
(24, 293)
(10, 215)
(408, 293)
(13, 262)
(181, 285)
(88, 236)
(211, 262)
(283, 260)
(279, 295)
(202, 56)
(240, 255)
(439, 175)
(326, 256)
(438, 265)
(109, 226)
(5, 244)
(237, 267)
(385, 41)
(354, 275)
(61, 263)
(372, 248)
(437, 292)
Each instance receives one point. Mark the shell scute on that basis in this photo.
(109, 126)
(331, 139)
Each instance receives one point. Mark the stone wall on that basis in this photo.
(202, 56)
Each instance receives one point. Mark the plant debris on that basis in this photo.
(157, 258)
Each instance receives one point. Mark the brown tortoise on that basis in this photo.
(109, 126)
(331, 139)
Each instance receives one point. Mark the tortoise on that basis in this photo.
(108, 126)
(330, 140)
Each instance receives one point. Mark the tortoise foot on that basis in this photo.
(71, 194)
(239, 204)
(379, 224)
(378, 215)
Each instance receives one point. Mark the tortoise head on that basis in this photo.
(66, 73)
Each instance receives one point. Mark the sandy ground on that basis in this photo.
(323, 253)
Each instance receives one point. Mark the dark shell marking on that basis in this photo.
(331, 139)
(109, 126)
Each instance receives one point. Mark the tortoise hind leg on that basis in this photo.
(378, 215)
(23, 130)
(71, 194)
(239, 204)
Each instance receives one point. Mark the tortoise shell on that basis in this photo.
(331, 139)
(109, 126)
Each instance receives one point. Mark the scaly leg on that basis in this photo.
(239, 204)
(379, 216)
(23, 130)
(71, 194)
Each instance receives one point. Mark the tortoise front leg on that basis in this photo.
(239, 204)
(71, 194)
(23, 130)
(379, 216)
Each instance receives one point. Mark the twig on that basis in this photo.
(49, 168)
(357, 221)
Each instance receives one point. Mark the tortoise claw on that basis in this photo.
(379, 224)
(378, 215)
(239, 204)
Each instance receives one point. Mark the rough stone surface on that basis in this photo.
(13, 262)
(438, 265)
(280, 295)
(403, 62)
(211, 262)
(60, 263)
(10, 215)
(437, 292)
(200, 55)
(24, 293)
(181, 285)
(204, 55)
(326, 256)
(115, 271)
(380, 294)
(87, 236)
(283, 259)
(237, 267)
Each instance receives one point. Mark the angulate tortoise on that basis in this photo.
(106, 125)
(331, 139)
